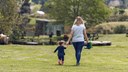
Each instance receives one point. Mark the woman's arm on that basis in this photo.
(85, 35)
(71, 34)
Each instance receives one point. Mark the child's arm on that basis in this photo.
(65, 46)
(55, 49)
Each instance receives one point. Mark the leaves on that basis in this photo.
(8, 15)
(93, 11)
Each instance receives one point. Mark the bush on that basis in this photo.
(109, 27)
(120, 29)
(104, 29)
(16, 34)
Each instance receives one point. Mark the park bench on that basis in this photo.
(100, 43)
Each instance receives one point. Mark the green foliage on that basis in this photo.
(32, 21)
(16, 34)
(36, 8)
(120, 29)
(93, 11)
(8, 15)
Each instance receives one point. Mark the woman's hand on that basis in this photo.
(85, 42)
(65, 46)
(67, 43)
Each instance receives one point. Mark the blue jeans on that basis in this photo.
(78, 49)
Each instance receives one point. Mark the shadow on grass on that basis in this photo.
(70, 65)
(67, 65)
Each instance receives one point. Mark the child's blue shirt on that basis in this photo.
(60, 50)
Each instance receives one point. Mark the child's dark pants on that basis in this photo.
(61, 57)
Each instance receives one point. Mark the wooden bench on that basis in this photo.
(101, 43)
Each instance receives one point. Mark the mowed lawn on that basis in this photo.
(23, 58)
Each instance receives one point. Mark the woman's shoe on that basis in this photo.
(77, 64)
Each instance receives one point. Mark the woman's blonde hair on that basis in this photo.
(78, 18)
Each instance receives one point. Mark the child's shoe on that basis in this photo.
(59, 62)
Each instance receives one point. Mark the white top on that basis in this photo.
(78, 34)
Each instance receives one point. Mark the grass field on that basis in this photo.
(22, 58)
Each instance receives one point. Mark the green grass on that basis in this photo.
(22, 58)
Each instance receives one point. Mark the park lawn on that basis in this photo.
(23, 58)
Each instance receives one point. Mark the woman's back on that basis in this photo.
(78, 33)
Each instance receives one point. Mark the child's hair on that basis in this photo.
(61, 42)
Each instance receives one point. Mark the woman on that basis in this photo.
(78, 33)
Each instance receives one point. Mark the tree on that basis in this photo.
(25, 8)
(93, 11)
(8, 15)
